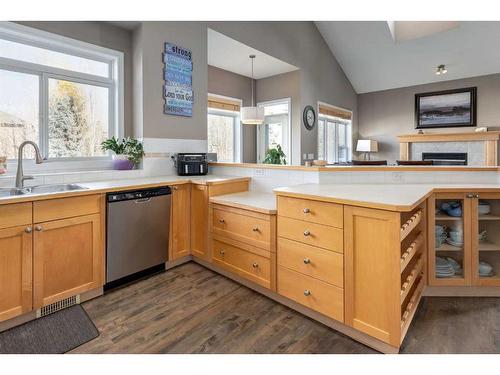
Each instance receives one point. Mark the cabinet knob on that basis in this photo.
(221, 252)
(255, 229)
(222, 221)
(255, 265)
(307, 233)
(307, 260)
(306, 210)
(175, 187)
(38, 228)
(307, 293)
(476, 196)
(28, 229)
(470, 195)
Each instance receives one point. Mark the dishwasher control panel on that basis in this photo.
(138, 194)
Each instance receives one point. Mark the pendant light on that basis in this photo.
(252, 115)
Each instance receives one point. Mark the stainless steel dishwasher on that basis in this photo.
(137, 234)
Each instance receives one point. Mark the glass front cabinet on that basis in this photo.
(464, 239)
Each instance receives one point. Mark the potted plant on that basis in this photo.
(275, 156)
(128, 152)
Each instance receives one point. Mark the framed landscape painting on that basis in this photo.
(450, 108)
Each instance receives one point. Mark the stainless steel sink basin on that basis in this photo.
(40, 189)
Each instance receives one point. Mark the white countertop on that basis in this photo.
(251, 200)
(400, 197)
(121, 185)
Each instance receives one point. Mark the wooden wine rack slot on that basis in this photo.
(411, 224)
(411, 308)
(410, 252)
(410, 280)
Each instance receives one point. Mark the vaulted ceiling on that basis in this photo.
(374, 58)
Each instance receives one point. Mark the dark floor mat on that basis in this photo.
(53, 334)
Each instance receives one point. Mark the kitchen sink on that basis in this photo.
(40, 189)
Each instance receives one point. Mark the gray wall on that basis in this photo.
(223, 82)
(286, 85)
(104, 35)
(299, 44)
(148, 48)
(384, 115)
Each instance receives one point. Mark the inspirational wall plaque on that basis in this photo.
(178, 76)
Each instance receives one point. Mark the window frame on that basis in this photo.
(336, 121)
(237, 129)
(54, 42)
(260, 152)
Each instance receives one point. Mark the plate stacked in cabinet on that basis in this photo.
(310, 254)
(412, 264)
(244, 243)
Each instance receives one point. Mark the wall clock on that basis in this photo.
(309, 117)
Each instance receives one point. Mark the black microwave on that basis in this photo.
(191, 164)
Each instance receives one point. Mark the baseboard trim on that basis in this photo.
(174, 263)
(329, 322)
(461, 291)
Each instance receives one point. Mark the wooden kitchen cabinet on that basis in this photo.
(485, 238)
(180, 235)
(479, 224)
(68, 258)
(199, 221)
(15, 271)
(385, 259)
(441, 247)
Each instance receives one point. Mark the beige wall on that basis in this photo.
(384, 115)
(105, 35)
(223, 82)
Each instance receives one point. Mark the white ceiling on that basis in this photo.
(231, 55)
(374, 61)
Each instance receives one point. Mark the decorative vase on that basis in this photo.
(121, 162)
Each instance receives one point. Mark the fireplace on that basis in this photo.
(446, 158)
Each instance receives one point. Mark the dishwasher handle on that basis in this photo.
(142, 200)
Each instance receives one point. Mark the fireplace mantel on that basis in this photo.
(490, 138)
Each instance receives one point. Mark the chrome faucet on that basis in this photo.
(20, 177)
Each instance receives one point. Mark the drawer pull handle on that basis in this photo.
(221, 252)
(307, 260)
(222, 221)
(307, 293)
(255, 229)
(307, 233)
(306, 210)
(255, 265)
(38, 228)
(28, 229)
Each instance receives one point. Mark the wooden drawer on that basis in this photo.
(61, 208)
(242, 225)
(256, 268)
(312, 211)
(15, 214)
(315, 294)
(311, 234)
(312, 261)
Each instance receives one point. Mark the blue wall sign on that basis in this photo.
(178, 77)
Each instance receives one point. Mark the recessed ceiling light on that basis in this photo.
(441, 69)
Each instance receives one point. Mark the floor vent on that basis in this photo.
(57, 306)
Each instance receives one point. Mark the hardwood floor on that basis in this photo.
(191, 309)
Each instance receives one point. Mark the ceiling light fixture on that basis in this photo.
(252, 115)
(441, 69)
